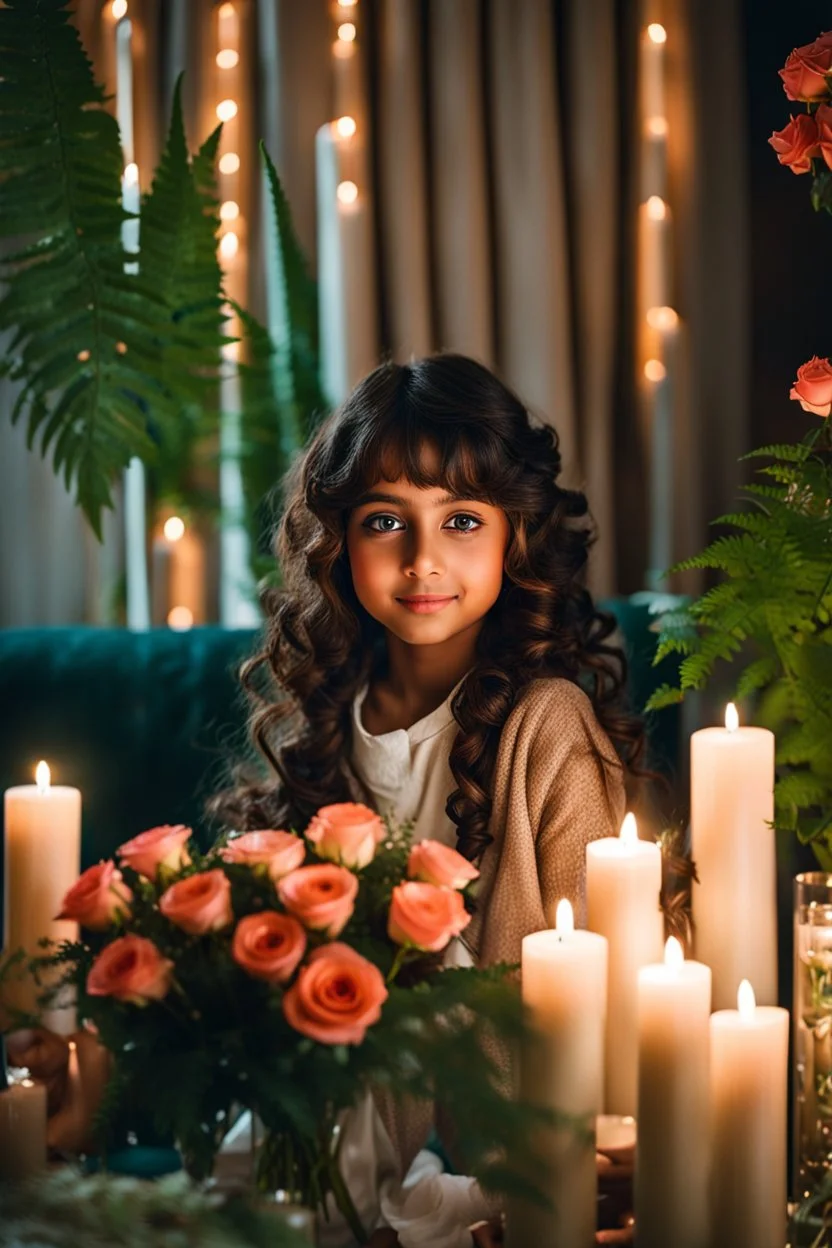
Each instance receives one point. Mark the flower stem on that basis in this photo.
(401, 954)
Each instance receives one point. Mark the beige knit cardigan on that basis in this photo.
(558, 784)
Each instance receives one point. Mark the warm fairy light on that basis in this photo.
(118, 9)
(564, 917)
(656, 33)
(83, 356)
(656, 208)
(347, 4)
(662, 318)
(732, 719)
(674, 954)
(347, 32)
(131, 174)
(43, 776)
(343, 50)
(226, 109)
(345, 126)
(746, 1001)
(654, 370)
(229, 163)
(229, 245)
(225, 10)
(347, 192)
(656, 127)
(180, 619)
(229, 211)
(174, 528)
(121, 347)
(227, 58)
(629, 830)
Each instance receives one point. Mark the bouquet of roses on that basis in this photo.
(287, 974)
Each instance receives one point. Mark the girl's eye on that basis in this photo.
(370, 523)
(385, 524)
(464, 516)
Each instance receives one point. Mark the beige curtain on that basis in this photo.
(503, 155)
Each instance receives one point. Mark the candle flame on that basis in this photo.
(732, 719)
(656, 208)
(564, 918)
(131, 174)
(226, 10)
(656, 33)
(629, 829)
(674, 954)
(118, 9)
(43, 776)
(746, 1001)
(174, 528)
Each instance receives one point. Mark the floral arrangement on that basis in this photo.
(771, 613)
(286, 974)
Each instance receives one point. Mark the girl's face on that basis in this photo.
(425, 565)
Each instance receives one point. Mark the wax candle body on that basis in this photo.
(623, 883)
(42, 862)
(22, 1129)
(748, 1106)
(564, 979)
(734, 904)
(672, 1152)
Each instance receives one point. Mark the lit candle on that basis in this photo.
(42, 862)
(749, 1054)
(623, 883)
(671, 1182)
(734, 903)
(564, 986)
(22, 1124)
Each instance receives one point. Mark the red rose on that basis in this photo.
(797, 143)
(813, 387)
(823, 120)
(805, 72)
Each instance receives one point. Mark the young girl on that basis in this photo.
(443, 662)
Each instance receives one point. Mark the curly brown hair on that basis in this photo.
(321, 645)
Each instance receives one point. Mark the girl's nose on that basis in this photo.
(422, 560)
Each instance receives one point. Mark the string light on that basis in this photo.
(347, 32)
(656, 208)
(654, 370)
(662, 318)
(657, 127)
(180, 619)
(227, 58)
(229, 245)
(119, 9)
(229, 211)
(229, 163)
(174, 528)
(83, 356)
(656, 33)
(226, 109)
(347, 192)
(346, 127)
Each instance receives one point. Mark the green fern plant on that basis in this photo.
(771, 616)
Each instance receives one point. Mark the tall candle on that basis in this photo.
(623, 883)
(735, 903)
(749, 1054)
(22, 1126)
(672, 1151)
(42, 861)
(564, 985)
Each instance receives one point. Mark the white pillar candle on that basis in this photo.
(42, 862)
(735, 901)
(623, 883)
(672, 1152)
(22, 1126)
(564, 985)
(749, 1055)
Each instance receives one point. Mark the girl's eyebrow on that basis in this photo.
(375, 497)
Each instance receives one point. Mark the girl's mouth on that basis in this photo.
(426, 604)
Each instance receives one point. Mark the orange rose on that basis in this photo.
(823, 119)
(321, 896)
(797, 143)
(346, 832)
(336, 996)
(435, 863)
(200, 903)
(425, 916)
(280, 851)
(130, 969)
(268, 945)
(158, 847)
(98, 898)
(805, 71)
(813, 387)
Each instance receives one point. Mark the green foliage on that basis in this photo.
(771, 616)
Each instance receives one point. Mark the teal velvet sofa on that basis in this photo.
(143, 723)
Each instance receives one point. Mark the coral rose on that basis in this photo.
(200, 903)
(279, 851)
(797, 143)
(268, 945)
(158, 847)
(346, 832)
(425, 916)
(435, 863)
(336, 996)
(823, 120)
(813, 387)
(98, 898)
(130, 969)
(805, 72)
(321, 896)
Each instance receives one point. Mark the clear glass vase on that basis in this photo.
(812, 1022)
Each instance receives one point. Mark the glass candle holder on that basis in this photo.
(812, 1022)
